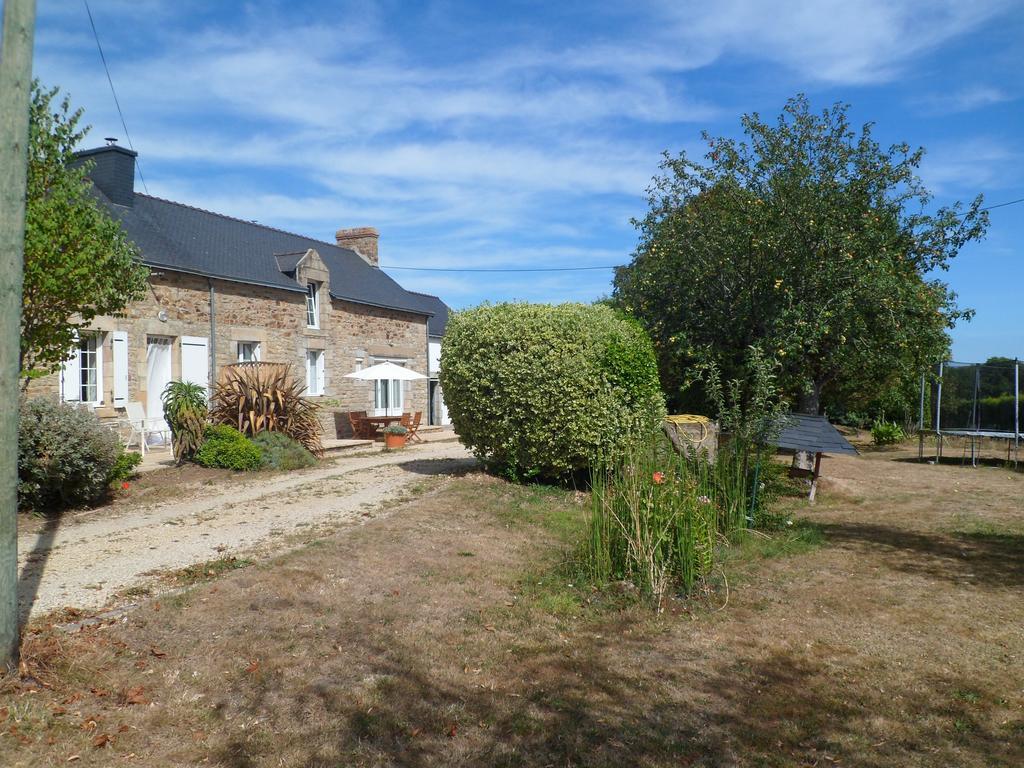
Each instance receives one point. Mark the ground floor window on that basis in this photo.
(89, 368)
(387, 394)
(82, 373)
(314, 372)
(248, 351)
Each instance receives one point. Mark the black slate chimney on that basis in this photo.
(113, 172)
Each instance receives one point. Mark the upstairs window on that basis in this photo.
(312, 305)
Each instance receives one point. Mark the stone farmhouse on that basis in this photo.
(224, 291)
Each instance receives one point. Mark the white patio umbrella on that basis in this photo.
(386, 371)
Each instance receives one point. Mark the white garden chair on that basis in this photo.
(140, 428)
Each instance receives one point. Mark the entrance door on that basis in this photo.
(158, 376)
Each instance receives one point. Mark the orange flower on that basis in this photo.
(125, 486)
(659, 478)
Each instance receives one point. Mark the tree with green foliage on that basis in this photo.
(807, 240)
(79, 263)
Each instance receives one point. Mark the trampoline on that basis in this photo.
(976, 401)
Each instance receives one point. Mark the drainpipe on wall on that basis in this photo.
(213, 336)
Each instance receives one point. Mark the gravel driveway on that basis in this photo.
(84, 562)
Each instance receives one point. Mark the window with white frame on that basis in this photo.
(387, 395)
(314, 372)
(248, 351)
(90, 367)
(312, 305)
(82, 373)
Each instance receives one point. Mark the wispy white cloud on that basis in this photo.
(965, 99)
(311, 118)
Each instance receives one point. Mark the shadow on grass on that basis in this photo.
(561, 709)
(986, 558)
(31, 575)
(951, 461)
(456, 467)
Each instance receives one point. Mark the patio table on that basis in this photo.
(380, 422)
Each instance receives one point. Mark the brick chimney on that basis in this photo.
(362, 240)
(113, 171)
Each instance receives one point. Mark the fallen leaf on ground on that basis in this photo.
(157, 652)
(102, 740)
(254, 665)
(134, 695)
(453, 730)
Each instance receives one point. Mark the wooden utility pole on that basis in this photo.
(15, 88)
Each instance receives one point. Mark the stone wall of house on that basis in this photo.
(350, 335)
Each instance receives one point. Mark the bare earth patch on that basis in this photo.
(448, 633)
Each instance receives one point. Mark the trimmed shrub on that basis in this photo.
(65, 456)
(227, 448)
(278, 451)
(541, 391)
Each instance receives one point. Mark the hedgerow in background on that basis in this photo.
(224, 447)
(185, 412)
(258, 397)
(540, 391)
(278, 451)
(65, 456)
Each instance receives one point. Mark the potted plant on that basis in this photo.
(394, 436)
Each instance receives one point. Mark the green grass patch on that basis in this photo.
(211, 569)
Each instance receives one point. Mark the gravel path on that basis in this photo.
(84, 563)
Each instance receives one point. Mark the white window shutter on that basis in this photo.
(195, 360)
(71, 376)
(119, 342)
(320, 373)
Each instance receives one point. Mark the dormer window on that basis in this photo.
(312, 305)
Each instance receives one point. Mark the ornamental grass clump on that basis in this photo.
(541, 392)
(265, 397)
(654, 521)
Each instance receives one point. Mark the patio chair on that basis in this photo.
(140, 429)
(361, 428)
(413, 426)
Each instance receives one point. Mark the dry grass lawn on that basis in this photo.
(885, 632)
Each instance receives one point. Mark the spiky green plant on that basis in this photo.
(259, 397)
(185, 412)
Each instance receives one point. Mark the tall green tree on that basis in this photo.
(807, 240)
(78, 261)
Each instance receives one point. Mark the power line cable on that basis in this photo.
(1001, 205)
(117, 103)
(579, 269)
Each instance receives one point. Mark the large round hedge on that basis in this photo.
(540, 391)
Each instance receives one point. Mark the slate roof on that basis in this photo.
(806, 432)
(182, 238)
(439, 318)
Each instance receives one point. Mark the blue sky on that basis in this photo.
(523, 134)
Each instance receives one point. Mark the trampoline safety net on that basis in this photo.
(974, 398)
